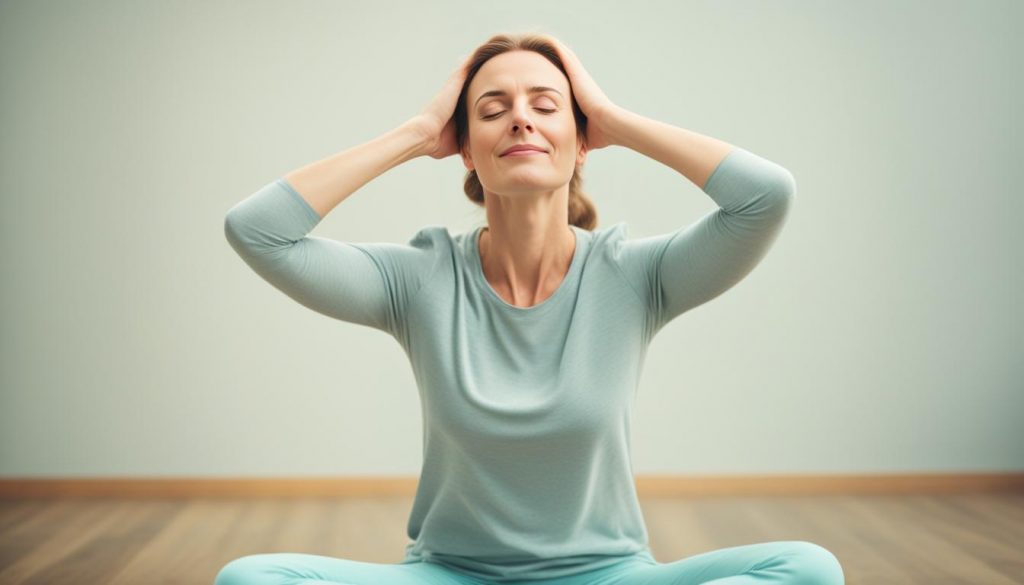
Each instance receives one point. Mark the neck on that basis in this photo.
(526, 262)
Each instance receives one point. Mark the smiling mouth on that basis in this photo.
(523, 153)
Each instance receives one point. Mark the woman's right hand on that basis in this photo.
(436, 121)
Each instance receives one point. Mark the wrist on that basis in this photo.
(608, 119)
(416, 129)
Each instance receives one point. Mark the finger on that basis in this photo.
(462, 67)
(563, 47)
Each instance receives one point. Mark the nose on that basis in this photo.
(520, 119)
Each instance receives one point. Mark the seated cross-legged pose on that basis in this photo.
(526, 336)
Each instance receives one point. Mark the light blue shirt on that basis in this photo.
(526, 411)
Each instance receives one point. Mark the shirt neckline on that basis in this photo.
(543, 306)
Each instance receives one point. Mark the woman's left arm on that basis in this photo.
(693, 155)
(696, 263)
(689, 266)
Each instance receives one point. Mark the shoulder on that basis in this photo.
(614, 242)
(609, 236)
(432, 237)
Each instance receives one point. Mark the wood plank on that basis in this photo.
(905, 539)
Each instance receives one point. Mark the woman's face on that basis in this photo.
(542, 118)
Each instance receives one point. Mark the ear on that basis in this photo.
(581, 156)
(467, 160)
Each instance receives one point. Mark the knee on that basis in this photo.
(247, 570)
(813, 564)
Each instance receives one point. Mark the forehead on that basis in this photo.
(516, 71)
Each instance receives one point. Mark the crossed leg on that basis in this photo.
(309, 569)
(784, 562)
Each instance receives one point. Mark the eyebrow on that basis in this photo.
(534, 89)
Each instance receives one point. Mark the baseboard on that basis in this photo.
(647, 485)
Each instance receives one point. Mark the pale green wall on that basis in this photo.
(882, 333)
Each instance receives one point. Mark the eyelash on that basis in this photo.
(545, 110)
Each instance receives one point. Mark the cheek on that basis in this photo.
(482, 139)
(566, 131)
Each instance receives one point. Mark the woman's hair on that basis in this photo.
(582, 212)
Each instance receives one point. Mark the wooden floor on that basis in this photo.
(930, 540)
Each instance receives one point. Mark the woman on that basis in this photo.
(527, 336)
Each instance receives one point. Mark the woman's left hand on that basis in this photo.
(588, 95)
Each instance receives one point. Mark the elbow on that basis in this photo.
(783, 196)
(784, 184)
(778, 195)
(230, 230)
(780, 192)
(236, 235)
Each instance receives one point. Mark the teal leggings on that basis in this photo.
(790, 562)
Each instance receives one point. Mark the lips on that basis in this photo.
(522, 147)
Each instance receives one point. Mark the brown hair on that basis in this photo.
(582, 212)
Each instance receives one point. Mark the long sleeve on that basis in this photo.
(369, 284)
(677, 271)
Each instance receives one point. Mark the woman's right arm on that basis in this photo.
(365, 283)
(327, 182)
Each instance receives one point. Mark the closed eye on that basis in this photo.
(546, 111)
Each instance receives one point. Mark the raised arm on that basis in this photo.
(696, 263)
(365, 283)
(693, 155)
(326, 183)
